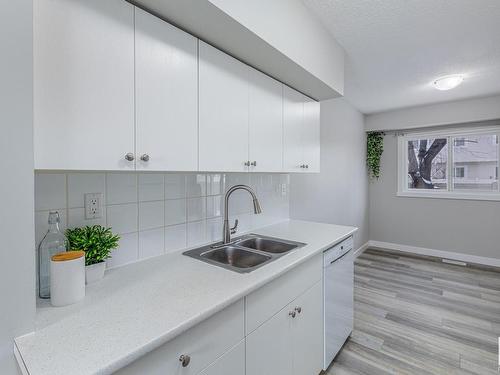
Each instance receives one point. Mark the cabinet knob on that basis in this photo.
(307, 166)
(298, 309)
(303, 166)
(292, 314)
(253, 164)
(247, 163)
(184, 359)
(129, 157)
(145, 157)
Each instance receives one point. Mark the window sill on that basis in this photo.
(450, 195)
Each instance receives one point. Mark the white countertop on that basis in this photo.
(139, 307)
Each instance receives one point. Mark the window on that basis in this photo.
(459, 172)
(450, 164)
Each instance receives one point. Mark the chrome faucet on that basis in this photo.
(226, 230)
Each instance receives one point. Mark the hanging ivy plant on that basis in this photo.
(375, 147)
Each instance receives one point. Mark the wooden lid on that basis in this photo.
(68, 255)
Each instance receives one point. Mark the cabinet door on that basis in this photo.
(311, 135)
(83, 84)
(269, 347)
(265, 123)
(204, 344)
(223, 93)
(293, 120)
(166, 75)
(231, 363)
(307, 333)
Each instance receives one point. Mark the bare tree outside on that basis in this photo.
(427, 163)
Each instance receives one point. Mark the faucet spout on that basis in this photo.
(226, 230)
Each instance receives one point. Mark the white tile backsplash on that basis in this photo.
(122, 218)
(151, 243)
(155, 213)
(175, 237)
(175, 186)
(151, 215)
(50, 191)
(196, 185)
(196, 209)
(214, 206)
(121, 188)
(175, 211)
(127, 251)
(196, 233)
(76, 218)
(151, 187)
(80, 184)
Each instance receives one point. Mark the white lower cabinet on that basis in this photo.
(201, 346)
(257, 336)
(307, 340)
(290, 343)
(231, 363)
(269, 347)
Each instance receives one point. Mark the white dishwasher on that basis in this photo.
(338, 290)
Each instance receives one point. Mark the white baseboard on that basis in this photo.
(494, 262)
(361, 249)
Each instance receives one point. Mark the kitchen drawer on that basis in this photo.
(204, 344)
(231, 363)
(338, 250)
(265, 302)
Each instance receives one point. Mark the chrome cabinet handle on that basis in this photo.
(145, 157)
(298, 309)
(253, 164)
(184, 360)
(307, 166)
(129, 157)
(292, 314)
(247, 163)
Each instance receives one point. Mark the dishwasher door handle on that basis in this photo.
(339, 258)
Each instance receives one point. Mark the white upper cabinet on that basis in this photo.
(265, 123)
(301, 132)
(116, 88)
(166, 84)
(223, 116)
(311, 136)
(83, 84)
(293, 116)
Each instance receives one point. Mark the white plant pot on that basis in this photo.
(94, 272)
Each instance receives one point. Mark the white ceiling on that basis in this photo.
(396, 48)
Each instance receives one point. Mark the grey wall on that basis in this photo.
(339, 194)
(17, 277)
(463, 226)
(460, 111)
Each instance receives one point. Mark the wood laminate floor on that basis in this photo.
(415, 315)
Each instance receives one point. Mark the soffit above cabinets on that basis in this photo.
(306, 57)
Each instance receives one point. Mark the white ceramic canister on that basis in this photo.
(67, 278)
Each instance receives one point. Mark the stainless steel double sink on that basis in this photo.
(244, 254)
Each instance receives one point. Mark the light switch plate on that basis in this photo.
(93, 206)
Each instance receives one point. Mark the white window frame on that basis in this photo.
(402, 172)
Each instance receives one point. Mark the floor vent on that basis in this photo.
(455, 262)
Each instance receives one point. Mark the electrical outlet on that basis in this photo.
(93, 206)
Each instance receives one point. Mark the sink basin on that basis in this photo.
(235, 257)
(267, 245)
(244, 254)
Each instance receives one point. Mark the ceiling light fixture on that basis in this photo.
(448, 82)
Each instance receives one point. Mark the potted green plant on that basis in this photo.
(98, 243)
